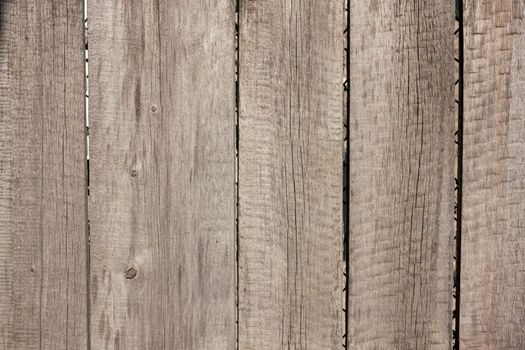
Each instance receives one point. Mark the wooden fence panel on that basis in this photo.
(493, 247)
(402, 124)
(43, 279)
(162, 193)
(161, 270)
(290, 174)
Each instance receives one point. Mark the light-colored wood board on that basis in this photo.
(493, 237)
(43, 237)
(290, 174)
(162, 193)
(402, 124)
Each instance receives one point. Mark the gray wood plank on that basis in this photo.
(162, 204)
(290, 174)
(43, 280)
(493, 238)
(402, 124)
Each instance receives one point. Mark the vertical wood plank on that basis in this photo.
(290, 174)
(402, 124)
(162, 183)
(43, 289)
(493, 244)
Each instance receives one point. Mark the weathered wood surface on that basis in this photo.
(43, 287)
(162, 186)
(493, 244)
(290, 174)
(402, 124)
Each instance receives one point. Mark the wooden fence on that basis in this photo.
(297, 174)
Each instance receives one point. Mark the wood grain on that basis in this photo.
(43, 281)
(493, 244)
(402, 124)
(290, 174)
(162, 198)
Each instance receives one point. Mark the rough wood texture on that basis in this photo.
(162, 186)
(402, 124)
(290, 174)
(492, 273)
(43, 289)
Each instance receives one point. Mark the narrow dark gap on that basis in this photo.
(459, 172)
(346, 170)
(88, 227)
(237, 171)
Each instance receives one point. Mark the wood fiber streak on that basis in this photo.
(290, 174)
(402, 124)
(493, 244)
(43, 289)
(162, 204)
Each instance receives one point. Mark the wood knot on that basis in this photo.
(153, 109)
(131, 273)
(133, 173)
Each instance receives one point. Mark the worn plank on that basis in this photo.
(162, 195)
(402, 124)
(43, 280)
(493, 238)
(290, 174)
